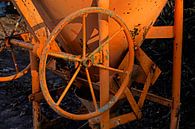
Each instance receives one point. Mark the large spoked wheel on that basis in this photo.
(84, 62)
(12, 65)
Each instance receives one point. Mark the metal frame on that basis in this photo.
(104, 74)
(39, 33)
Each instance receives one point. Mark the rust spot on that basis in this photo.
(135, 31)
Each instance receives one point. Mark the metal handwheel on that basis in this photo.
(83, 62)
(7, 48)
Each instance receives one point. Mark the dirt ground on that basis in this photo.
(16, 110)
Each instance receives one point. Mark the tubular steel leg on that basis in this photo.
(104, 74)
(35, 89)
(177, 57)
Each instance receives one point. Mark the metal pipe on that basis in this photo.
(177, 62)
(21, 43)
(104, 74)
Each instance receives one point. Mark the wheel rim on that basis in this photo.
(4, 44)
(84, 61)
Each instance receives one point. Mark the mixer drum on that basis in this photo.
(54, 10)
(75, 27)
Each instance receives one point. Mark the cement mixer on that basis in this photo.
(98, 45)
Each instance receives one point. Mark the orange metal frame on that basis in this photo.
(39, 35)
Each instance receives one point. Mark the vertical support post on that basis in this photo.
(39, 32)
(177, 63)
(104, 74)
(35, 89)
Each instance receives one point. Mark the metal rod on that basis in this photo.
(109, 68)
(14, 60)
(21, 43)
(65, 56)
(68, 86)
(106, 42)
(84, 36)
(152, 97)
(91, 89)
(177, 58)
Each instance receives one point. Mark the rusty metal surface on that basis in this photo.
(78, 29)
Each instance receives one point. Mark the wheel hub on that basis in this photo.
(87, 63)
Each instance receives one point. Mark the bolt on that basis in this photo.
(135, 48)
(87, 63)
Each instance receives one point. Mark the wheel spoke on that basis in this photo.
(91, 89)
(84, 36)
(14, 60)
(106, 42)
(65, 56)
(68, 86)
(109, 68)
